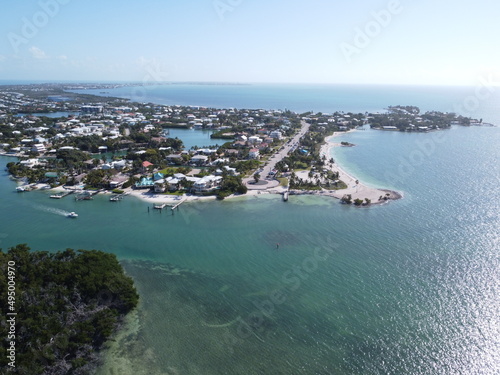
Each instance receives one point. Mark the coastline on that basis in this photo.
(356, 190)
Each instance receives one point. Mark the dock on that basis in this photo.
(285, 196)
(177, 205)
(61, 195)
(160, 206)
(86, 195)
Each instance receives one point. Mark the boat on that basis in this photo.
(72, 214)
(56, 196)
(20, 189)
(115, 198)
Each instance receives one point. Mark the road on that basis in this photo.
(277, 157)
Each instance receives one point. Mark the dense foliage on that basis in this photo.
(68, 303)
(231, 185)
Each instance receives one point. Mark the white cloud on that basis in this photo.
(63, 57)
(37, 53)
(2, 58)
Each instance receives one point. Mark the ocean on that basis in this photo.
(410, 287)
(476, 102)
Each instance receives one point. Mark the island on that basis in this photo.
(85, 144)
(60, 308)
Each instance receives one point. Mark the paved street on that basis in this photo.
(277, 157)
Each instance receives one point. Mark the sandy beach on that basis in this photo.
(357, 190)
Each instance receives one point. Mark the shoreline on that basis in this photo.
(356, 190)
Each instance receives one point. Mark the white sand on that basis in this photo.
(357, 190)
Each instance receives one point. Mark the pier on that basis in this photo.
(177, 205)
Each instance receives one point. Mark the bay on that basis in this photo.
(411, 287)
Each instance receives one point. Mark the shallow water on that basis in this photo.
(410, 287)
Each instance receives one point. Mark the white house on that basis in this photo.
(276, 134)
(254, 153)
(254, 139)
(207, 183)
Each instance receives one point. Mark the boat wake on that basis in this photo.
(52, 210)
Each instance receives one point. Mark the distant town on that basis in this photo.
(110, 144)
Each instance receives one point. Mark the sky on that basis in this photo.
(446, 42)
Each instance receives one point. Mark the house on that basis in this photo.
(30, 163)
(39, 148)
(276, 134)
(207, 183)
(159, 186)
(239, 144)
(231, 152)
(199, 159)
(254, 139)
(174, 158)
(254, 153)
(230, 171)
(145, 183)
(158, 176)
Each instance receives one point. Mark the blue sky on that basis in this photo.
(316, 41)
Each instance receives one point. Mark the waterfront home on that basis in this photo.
(159, 186)
(207, 183)
(145, 183)
(30, 163)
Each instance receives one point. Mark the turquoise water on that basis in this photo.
(324, 98)
(191, 138)
(411, 287)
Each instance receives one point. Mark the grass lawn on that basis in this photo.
(178, 193)
(283, 181)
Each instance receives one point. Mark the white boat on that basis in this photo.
(20, 189)
(72, 214)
